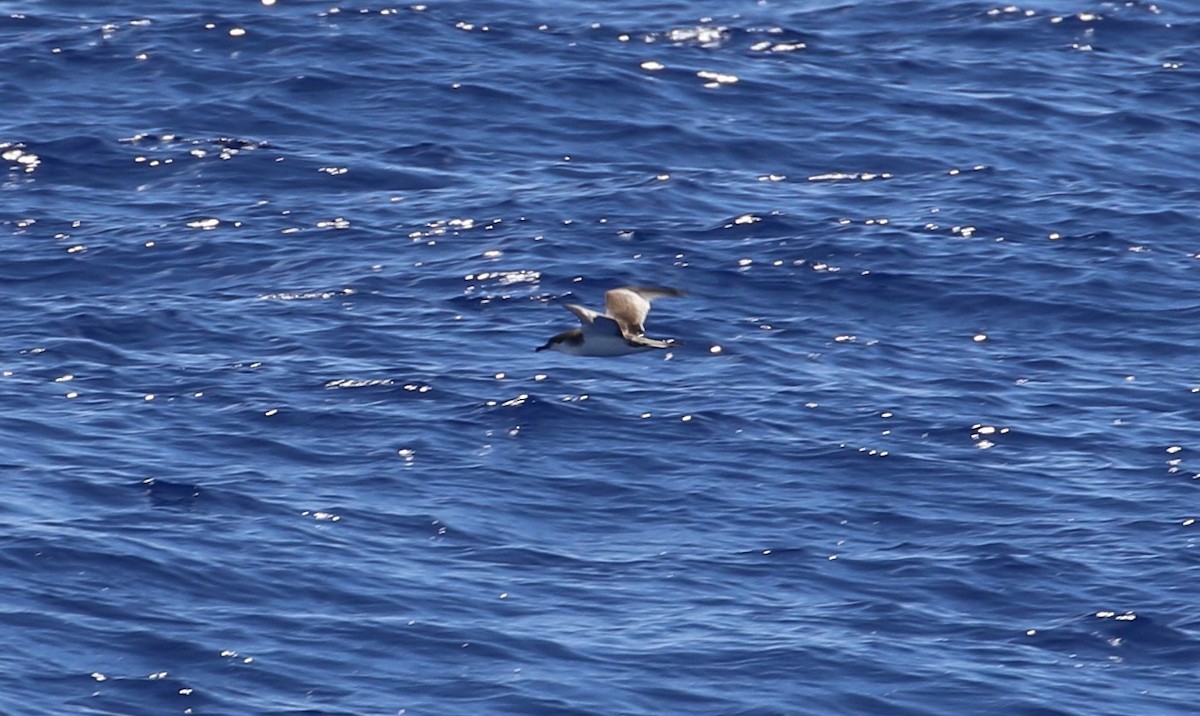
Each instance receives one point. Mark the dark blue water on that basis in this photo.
(274, 438)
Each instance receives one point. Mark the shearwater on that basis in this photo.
(616, 332)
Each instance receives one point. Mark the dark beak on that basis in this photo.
(541, 348)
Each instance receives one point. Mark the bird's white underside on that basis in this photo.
(602, 345)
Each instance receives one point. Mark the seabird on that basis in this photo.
(616, 332)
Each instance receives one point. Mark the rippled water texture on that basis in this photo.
(275, 439)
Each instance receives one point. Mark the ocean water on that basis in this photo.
(275, 440)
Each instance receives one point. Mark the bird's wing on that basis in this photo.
(594, 324)
(585, 315)
(629, 305)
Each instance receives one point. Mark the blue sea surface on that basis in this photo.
(274, 438)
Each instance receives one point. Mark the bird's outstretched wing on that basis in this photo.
(594, 323)
(585, 315)
(629, 305)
